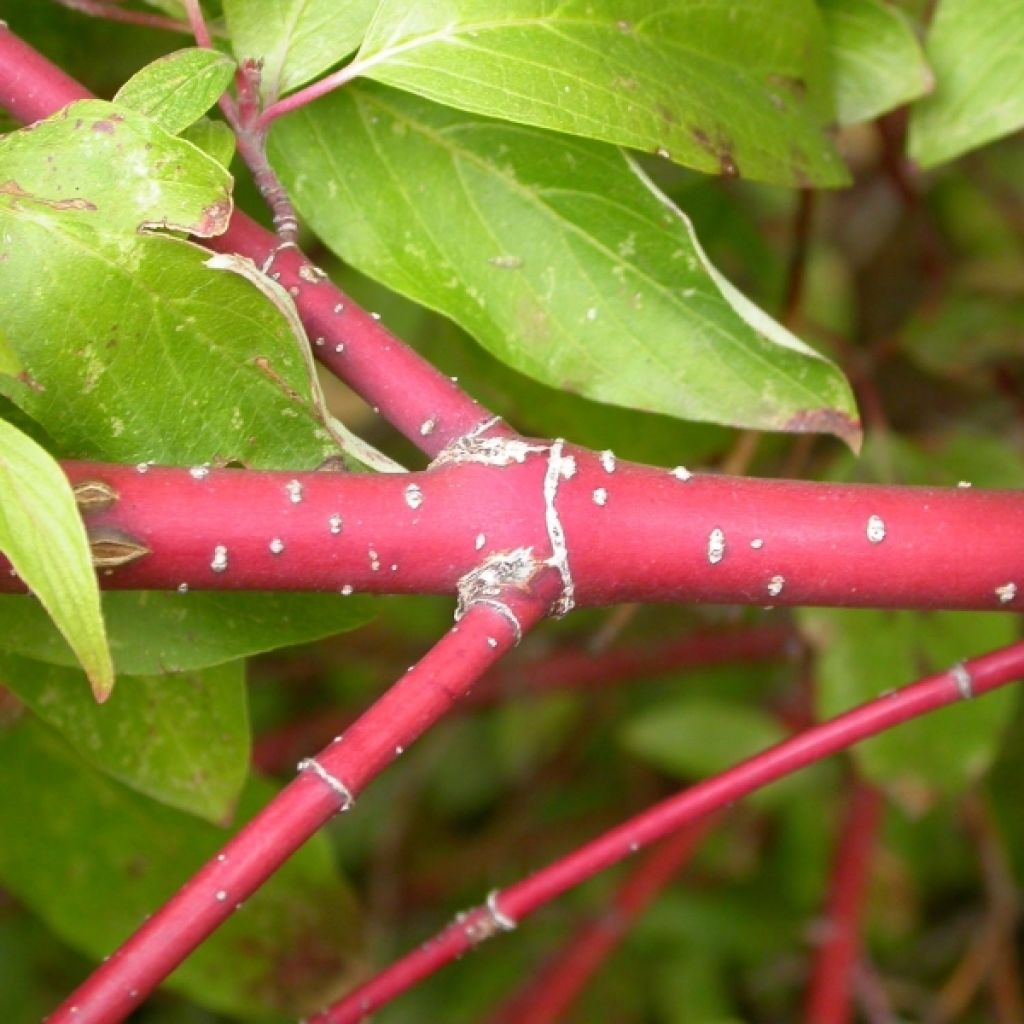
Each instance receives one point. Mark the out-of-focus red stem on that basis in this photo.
(426, 406)
(830, 992)
(559, 670)
(547, 998)
(507, 907)
(325, 785)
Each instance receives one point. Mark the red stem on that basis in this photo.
(509, 906)
(654, 538)
(416, 701)
(111, 12)
(275, 750)
(549, 996)
(829, 995)
(414, 397)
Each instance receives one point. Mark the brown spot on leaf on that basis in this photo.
(826, 421)
(262, 363)
(103, 127)
(12, 188)
(214, 220)
(721, 148)
(796, 87)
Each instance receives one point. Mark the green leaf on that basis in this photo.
(112, 170)
(152, 632)
(557, 254)
(296, 39)
(178, 89)
(93, 859)
(975, 52)
(214, 138)
(181, 738)
(877, 63)
(42, 536)
(695, 737)
(138, 351)
(725, 86)
(865, 653)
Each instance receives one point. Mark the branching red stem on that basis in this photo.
(325, 785)
(509, 906)
(654, 538)
(549, 995)
(830, 992)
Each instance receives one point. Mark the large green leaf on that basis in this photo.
(877, 63)
(296, 39)
(178, 89)
(42, 536)
(864, 653)
(111, 169)
(152, 632)
(726, 86)
(134, 348)
(556, 253)
(137, 351)
(181, 738)
(92, 859)
(975, 50)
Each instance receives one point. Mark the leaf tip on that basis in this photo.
(828, 420)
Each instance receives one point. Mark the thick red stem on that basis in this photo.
(654, 537)
(830, 993)
(325, 785)
(549, 996)
(411, 394)
(509, 906)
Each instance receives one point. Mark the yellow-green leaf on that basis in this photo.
(43, 537)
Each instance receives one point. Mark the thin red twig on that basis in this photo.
(506, 908)
(325, 785)
(113, 12)
(830, 992)
(549, 995)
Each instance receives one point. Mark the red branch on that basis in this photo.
(550, 994)
(506, 908)
(831, 985)
(653, 537)
(415, 398)
(324, 786)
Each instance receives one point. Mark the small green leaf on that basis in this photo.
(42, 536)
(181, 738)
(178, 89)
(152, 632)
(975, 53)
(557, 254)
(865, 653)
(877, 63)
(113, 171)
(725, 86)
(92, 859)
(696, 737)
(214, 138)
(296, 39)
